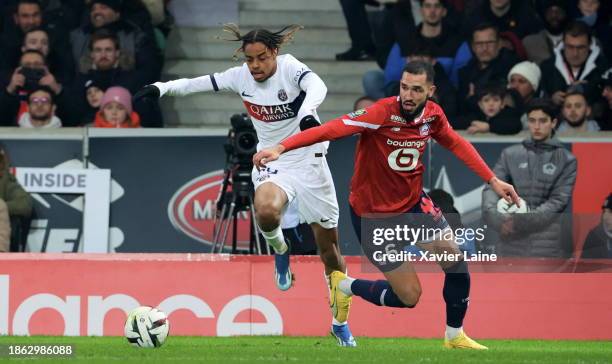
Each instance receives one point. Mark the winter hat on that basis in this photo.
(120, 95)
(529, 70)
(95, 83)
(113, 4)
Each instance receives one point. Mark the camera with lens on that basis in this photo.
(240, 146)
(32, 77)
(241, 142)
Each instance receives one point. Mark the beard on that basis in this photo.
(42, 116)
(578, 122)
(411, 115)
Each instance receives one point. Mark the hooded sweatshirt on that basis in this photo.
(25, 121)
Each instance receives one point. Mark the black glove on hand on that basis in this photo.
(308, 122)
(149, 91)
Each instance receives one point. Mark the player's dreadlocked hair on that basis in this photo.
(272, 40)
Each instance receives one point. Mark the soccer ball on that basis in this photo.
(510, 208)
(146, 327)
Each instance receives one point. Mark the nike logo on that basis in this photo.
(245, 94)
(324, 220)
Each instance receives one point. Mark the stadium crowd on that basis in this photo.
(77, 62)
(493, 57)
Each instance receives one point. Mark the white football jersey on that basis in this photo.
(276, 105)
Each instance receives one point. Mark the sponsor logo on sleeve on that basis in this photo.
(398, 119)
(357, 113)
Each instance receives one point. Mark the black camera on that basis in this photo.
(241, 142)
(32, 77)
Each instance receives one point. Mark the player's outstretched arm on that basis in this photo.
(465, 151)
(267, 155)
(186, 86)
(332, 130)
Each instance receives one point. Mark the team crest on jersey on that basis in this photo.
(282, 95)
(357, 113)
(424, 129)
(428, 120)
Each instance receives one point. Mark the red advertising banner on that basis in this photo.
(76, 294)
(593, 185)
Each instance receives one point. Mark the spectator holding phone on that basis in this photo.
(31, 73)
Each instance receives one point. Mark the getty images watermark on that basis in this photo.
(389, 244)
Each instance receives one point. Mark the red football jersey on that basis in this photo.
(388, 174)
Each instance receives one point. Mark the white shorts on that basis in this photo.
(308, 183)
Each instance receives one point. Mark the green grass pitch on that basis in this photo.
(274, 349)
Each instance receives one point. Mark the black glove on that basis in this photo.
(308, 122)
(149, 91)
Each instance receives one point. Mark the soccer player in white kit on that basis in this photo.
(281, 95)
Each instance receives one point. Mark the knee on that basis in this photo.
(409, 295)
(268, 215)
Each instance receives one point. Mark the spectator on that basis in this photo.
(605, 121)
(61, 15)
(577, 60)
(94, 92)
(575, 112)
(41, 108)
(523, 84)
(360, 32)
(28, 16)
(107, 63)
(524, 78)
(543, 173)
(31, 73)
(490, 65)
(135, 43)
(60, 64)
(363, 102)
(493, 116)
(593, 15)
(116, 110)
(516, 16)
(106, 68)
(14, 201)
(540, 46)
(433, 32)
(598, 243)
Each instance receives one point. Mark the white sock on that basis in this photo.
(275, 239)
(452, 332)
(338, 323)
(345, 286)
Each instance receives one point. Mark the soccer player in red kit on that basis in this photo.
(388, 180)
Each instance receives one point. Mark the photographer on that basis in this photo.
(31, 73)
